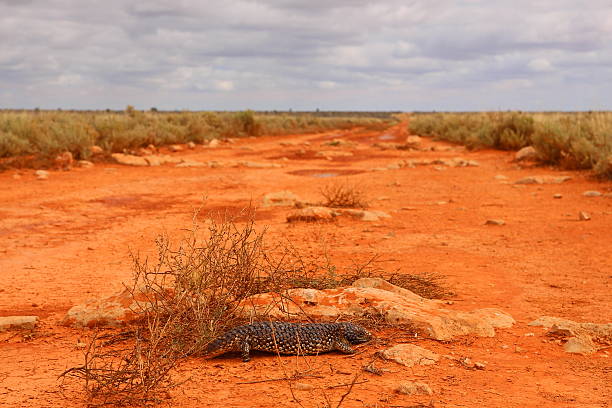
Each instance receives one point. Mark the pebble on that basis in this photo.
(592, 193)
(558, 196)
(495, 222)
(583, 216)
(41, 174)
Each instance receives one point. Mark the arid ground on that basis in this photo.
(67, 239)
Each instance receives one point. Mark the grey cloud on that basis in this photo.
(275, 52)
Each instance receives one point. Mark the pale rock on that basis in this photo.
(413, 388)
(41, 174)
(129, 159)
(543, 180)
(558, 196)
(364, 215)
(584, 216)
(592, 194)
(64, 160)
(153, 161)
(581, 344)
(312, 214)
(256, 165)
(413, 141)
(115, 310)
(191, 145)
(501, 177)
(375, 296)
(96, 150)
(333, 153)
(582, 337)
(528, 153)
(85, 164)
(302, 387)
(280, 198)
(175, 148)
(495, 222)
(18, 323)
(214, 143)
(410, 355)
(191, 163)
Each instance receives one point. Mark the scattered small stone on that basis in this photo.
(592, 193)
(495, 222)
(303, 387)
(191, 145)
(557, 196)
(410, 355)
(18, 322)
(526, 153)
(583, 216)
(175, 148)
(280, 198)
(479, 366)
(529, 334)
(414, 388)
(41, 174)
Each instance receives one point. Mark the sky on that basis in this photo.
(306, 55)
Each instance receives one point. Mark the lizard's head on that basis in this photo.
(356, 333)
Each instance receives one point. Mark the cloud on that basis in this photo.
(333, 54)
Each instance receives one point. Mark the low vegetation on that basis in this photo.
(44, 134)
(195, 291)
(581, 140)
(344, 195)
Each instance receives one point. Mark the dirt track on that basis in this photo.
(66, 239)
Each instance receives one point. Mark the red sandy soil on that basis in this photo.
(67, 239)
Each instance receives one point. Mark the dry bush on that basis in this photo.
(193, 294)
(343, 195)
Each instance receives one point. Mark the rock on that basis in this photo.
(528, 153)
(479, 366)
(111, 311)
(339, 142)
(85, 164)
(129, 159)
(581, 344)
(333, 153)
(583, 216)
(214, 143)
(543, 180)
(41, 174)
(413, 141)
(592, 194)
(413, 388)
(18, 323)
(557, 196)
(153, 161)
(255, 165)
(152, 148)
(364, 215)
(312, 214)
(388, 145)
(280, 198)
(96, 150)
(64, 160)
(495, 222)
(375, 296)
(191, 163)
(456, 162)
(175, 148)
(302, 387)
(191, 145)
(144, 152)
(410, 355)
(581, 337)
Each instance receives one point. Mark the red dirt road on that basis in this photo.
(67, 239)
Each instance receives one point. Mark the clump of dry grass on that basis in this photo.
(344, 195)
(571, 140)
